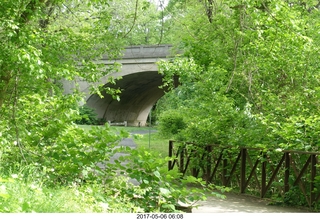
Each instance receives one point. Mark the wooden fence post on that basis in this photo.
(313, 176)
(224, 172)
(182, 159)
(287, 172)
(170, 155)
(263, 175)
(243, 170)
(208, 170)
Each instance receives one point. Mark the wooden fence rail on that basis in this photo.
(260, 171)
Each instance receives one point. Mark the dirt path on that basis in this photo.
(242, 204)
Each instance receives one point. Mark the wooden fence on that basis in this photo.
(287, 174)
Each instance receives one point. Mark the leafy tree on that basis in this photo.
(139, 22)
(254, 71)
(46, 42)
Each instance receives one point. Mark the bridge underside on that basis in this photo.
(140, 91)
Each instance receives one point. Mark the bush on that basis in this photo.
(87, 116)
(171, 123)
(50, 141)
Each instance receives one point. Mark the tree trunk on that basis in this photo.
(4, 83)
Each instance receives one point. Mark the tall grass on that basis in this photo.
(27, 194)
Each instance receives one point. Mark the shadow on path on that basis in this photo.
(242, 204)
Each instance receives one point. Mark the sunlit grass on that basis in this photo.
(149, 137)
(27, 195)
(154, 142)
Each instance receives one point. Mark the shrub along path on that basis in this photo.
(234, 203)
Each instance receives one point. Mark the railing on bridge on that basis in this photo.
(285, 174)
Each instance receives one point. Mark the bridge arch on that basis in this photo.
(139, 86)
(139, 92)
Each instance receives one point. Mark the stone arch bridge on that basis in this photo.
(139, 85)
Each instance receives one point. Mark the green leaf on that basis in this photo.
(169, 206)
(157, 174)
(164, 191)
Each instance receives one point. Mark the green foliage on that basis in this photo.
(140, 22)
(249, 76)
(48, 139)
(25, 191)
(241, 75)
(159, 190)
(171, 123)
(34, 198)
(298, 132)
(87, 116)
(295, 197)
(47, 43)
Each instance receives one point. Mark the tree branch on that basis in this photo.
(134, 19)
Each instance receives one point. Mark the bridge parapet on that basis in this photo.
(143, 51)
(141, 55)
